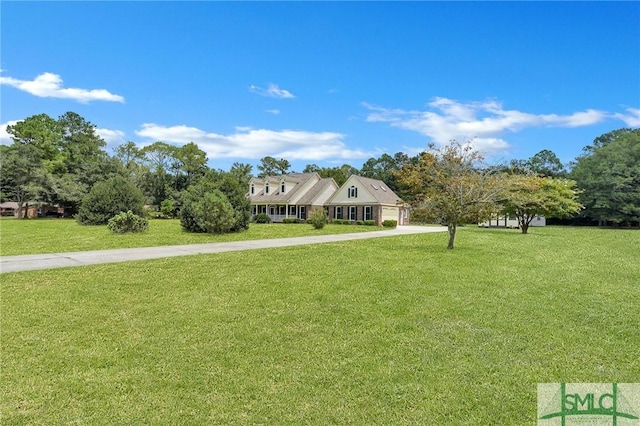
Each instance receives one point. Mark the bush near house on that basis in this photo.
(291, 220)
(318, 219)
(369, 223)
(389, 223)
(262, 218)
(341, 222)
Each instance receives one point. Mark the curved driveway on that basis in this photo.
(63, 260)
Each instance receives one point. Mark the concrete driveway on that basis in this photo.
(63, 260)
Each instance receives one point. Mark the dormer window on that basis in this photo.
(352, 192)
(282, 187)
(266, 188)
(253, 189)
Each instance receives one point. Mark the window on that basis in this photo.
(374, 187)
(352, 192)
(367, 213)
(292, 210)
(303, 212)
(253, 189)
(266, 188)
(282, 187)
(383, 188)
(352, 213)
(338, 212)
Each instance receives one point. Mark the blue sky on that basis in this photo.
(328, 82)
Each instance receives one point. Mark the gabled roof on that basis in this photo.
(377, 188)
(316, 190)
(274, 196)
(291, 177)
(9, 205)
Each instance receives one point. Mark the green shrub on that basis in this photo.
(359, 222)
(127, 222)
(389, 223)
(108, 198)
(369, 223)
(168, 209)
(291, 220)
(262, 218)
(318, 219)
(341, 222)
(211, 213)
(234, 188)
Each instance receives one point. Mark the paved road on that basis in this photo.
(63, 260)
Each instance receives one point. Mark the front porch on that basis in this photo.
(279, 212)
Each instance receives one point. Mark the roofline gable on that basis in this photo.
(365, 184)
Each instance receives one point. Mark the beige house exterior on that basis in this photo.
(31, 210)
(363, 198)
(293, 195)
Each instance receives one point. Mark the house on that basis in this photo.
(363, 198)
(10, 208)
(506, 221)
(290, 196)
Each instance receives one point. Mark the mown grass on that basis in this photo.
(66, 235)
(386, 331)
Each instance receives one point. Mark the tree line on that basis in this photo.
(58, 161)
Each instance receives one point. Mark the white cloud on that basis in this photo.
(631, 118)
(113, 138)
(485, 122)
(272, 91)
(49, 85)
(5, 138)
(257, 143)
(273, 111)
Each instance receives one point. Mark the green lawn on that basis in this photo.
(385, 331)
(65, 235)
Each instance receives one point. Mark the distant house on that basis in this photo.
(10, 208)
(506, 221)
(290, 196)
(363, 198)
